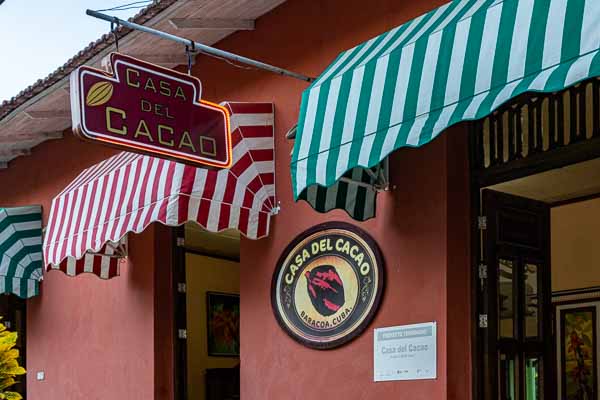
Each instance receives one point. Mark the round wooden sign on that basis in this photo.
(328, 285)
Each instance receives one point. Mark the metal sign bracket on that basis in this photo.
(201, 48)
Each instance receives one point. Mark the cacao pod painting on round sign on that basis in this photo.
(327, 285)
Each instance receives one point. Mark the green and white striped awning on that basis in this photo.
(456, 63)
(20, 250)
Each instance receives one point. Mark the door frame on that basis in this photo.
(483, 306)
(180, 308)
(578, 150)
(180, 372)
(478, 300)
(520, 254)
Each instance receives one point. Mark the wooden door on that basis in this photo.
(517, 342)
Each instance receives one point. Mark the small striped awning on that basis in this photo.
(127, 192)
(103, 263)
(456, 63)
(21, 250)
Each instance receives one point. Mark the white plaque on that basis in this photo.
(405, 352)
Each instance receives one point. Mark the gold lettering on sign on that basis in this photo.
(146, 106)
(289, 279)
(165, 88)
(150, 85)
(213, 144)
(186, 141)
(128, 73)
(365, 268)
(142, 130)
(168, 129)
(109, 127)
(179, 93)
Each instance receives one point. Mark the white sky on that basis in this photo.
(38, 36)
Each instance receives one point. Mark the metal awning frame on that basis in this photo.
(380, 177)
(200, 48)
(121, 249)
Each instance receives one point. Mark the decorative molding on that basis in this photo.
(576, 294)
(170, 60)
(48, 114)
(14, 153)
(20, 137)
(213, 24)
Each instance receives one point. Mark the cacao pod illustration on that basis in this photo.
(100, 93)
(325, 289)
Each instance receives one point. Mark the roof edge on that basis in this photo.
(82, 57)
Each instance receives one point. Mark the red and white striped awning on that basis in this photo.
(128, 191)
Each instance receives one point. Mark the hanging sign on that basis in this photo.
(327, 285)
(142, 107)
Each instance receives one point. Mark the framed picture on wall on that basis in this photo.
(223, 324)
(577, 327)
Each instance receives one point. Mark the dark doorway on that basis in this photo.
(517, 350)
(207, 314)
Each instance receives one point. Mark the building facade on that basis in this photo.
(92, 338)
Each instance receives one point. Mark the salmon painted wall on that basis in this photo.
(93, 339)
(422, 226)
(97, 339)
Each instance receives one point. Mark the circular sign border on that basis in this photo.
(378, 294)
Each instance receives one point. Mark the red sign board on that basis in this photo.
(145, 108)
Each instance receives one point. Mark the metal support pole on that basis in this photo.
(200, 47)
